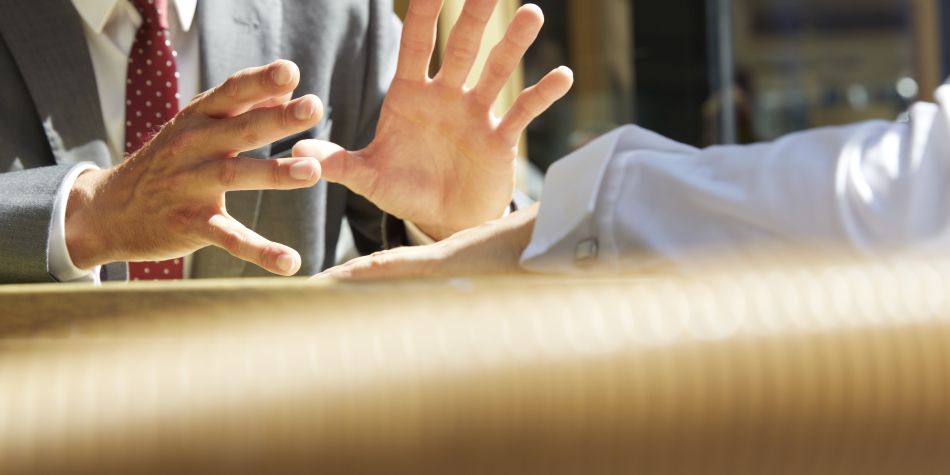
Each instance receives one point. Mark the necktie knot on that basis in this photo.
(154, 12)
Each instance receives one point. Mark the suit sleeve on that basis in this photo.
(382, 52)
(633, 197)
(27, 199)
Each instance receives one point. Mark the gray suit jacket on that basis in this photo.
(50, 118)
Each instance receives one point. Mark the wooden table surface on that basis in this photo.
(840, 369)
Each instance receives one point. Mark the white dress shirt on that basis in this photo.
(110, 27)
(632, 195)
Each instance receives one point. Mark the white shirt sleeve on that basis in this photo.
(632, 196)
(61, 266)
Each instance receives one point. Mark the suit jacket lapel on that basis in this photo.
(235, 34)
(47, 40)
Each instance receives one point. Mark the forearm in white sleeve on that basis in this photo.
(61, 265)
(633, 195)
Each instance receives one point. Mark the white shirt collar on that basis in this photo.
(96, 13)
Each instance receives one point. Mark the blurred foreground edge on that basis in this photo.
(810, 369)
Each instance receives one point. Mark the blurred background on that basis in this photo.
(708, 72)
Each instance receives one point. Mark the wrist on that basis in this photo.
(494, 247)
(439, 232)
(522, 228)
(434, 232)
(85, 239)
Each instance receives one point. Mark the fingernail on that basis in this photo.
(282, 76)
(303, 170)
(286, 263)
(304, 109)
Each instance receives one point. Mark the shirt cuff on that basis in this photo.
(60, 264)
(565, 237)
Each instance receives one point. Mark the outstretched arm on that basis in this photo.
(633, 197)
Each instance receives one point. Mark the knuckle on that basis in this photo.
(414, 46)
(265, 77)
(227, 172)
(231, 87)
(463, 50)
(507, 62)
(247, 130)
(542, 97)
(285, 118)
(473, 16)
(344, 271)
(267, 256)
(183, 221)
(498, 69)
(183, 141)
(379, 262)
(517, 113)
(483, 97)
(274, 172)
(233, 242)
(518, 41)
(529, 102)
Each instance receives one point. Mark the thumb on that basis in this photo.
(339, 165)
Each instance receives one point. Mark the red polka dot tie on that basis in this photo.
(151, 99)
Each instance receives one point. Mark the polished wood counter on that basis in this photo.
(837, 369)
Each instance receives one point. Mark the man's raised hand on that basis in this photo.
(168, 199)
(441, 158)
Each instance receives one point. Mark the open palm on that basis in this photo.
(441, 159)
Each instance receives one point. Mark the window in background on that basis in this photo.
(594, 39)
(804, 64)
(783, 65)
(635, 61)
